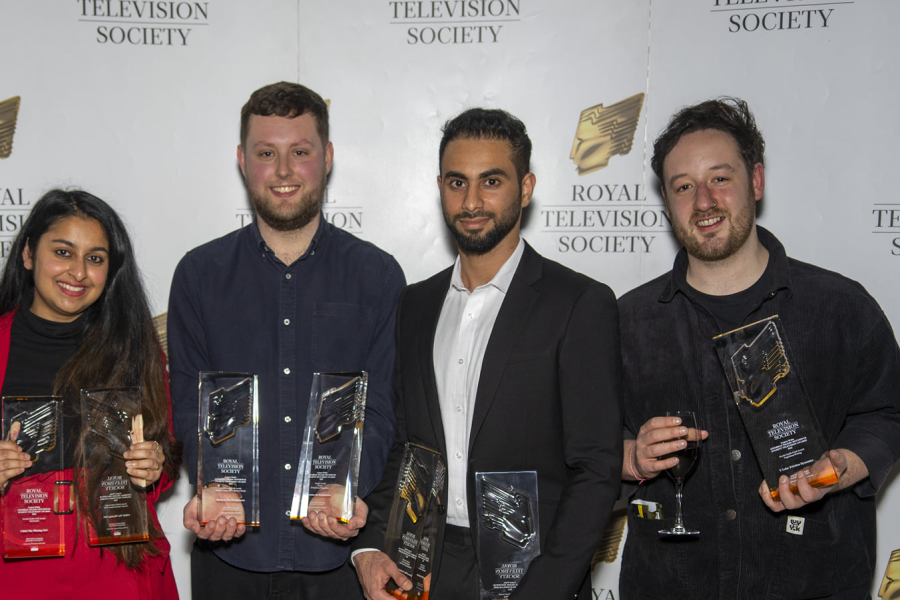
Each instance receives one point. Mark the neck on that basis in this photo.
(730, 275)
(288, 246)
(478, 269)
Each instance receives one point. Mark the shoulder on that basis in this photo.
(439, 282)
(366, 255)
(215, 251)
(551, 277)
(644, 294)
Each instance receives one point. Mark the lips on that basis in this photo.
(709, 221)
(284, 190)
(71, 289)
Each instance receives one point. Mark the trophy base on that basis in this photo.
(829, 477)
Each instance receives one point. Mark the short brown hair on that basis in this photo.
(285, 99)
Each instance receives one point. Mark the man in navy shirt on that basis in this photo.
(284, 297)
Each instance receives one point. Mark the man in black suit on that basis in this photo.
(506, 362)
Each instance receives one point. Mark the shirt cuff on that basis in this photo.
(360, 551)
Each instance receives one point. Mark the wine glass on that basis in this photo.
(687, 458)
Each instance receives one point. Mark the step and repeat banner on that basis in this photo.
(138, 102)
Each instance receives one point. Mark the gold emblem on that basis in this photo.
(9, 110)
(612, 537)
(604, 132)
(890, 585)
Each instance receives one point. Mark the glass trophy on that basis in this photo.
(228, 448)
(110, 418)
(508, 535)
(332, 444)
(412, 524)
(774, 405)
(36, 501)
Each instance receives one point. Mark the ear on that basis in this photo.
(240, 157)
(759, 181)
(528, 183)
(439, 182)
(27, 259)
(329, 157)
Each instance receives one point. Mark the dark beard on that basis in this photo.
(741, 225)
(476, 243)
(310, 205)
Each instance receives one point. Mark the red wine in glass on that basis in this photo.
(687, 458)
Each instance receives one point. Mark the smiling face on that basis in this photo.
(70, 264)
(285, 166)
(710, 197)
(481, 198)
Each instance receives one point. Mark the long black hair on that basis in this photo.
(119, 345)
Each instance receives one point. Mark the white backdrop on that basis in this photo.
(138, 102)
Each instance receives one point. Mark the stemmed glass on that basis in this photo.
(687, 458)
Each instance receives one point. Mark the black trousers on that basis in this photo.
(214, 579)
(458, 579)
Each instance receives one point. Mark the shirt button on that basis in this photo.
(458, 502)
(459, 455)
(287, 371)
(735, 455)
(287, 467)
(287, 321)
(460, 361)
(470, 316)
(730, 514)
(287, 275)
(287, 513)
(287, 419)
(459, 409)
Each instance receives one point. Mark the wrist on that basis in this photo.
(632, 466)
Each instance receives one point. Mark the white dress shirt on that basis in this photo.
(463, 330)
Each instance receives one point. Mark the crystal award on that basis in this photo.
(412, 525)
(508, 534)
(228, 448)
(36, 501)
(774, 405)
(109, 418)
(332, 444)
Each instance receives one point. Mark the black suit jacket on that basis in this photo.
(548, 400)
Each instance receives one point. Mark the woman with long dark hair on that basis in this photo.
(74, 316)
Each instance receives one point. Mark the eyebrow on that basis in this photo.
(719, 167)
(482, 175)
(71, 245)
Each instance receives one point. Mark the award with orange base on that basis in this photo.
(774, 406)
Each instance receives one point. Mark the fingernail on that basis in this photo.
(783, 479)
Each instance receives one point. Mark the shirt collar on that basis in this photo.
(777, 273)
(503, 277)
(320, 236)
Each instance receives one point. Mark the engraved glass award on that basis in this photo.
(228, 448)
(35, 501)
(508, 535)
(774, 405)
(412, 525)
(109, 419)
(332, 444)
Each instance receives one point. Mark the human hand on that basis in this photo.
(13, 461)
(218, 528)
(656, 438)
(144, 463)
(326, 520)
(374, 570)
(796, 491)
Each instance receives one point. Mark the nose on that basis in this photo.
(78, 269)
(704, 200)
(284, 167)
(472, 201)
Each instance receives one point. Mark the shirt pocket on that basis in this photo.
(341, 335)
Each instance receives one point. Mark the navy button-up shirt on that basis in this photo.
(234, 306)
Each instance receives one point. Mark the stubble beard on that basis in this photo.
(299, 215)
(477, 243)
(711, 249)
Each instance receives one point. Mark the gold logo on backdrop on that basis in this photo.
(604, 132)
(612, 538)
(9, 110)
(890, 585)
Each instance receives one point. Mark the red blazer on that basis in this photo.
(85, 572)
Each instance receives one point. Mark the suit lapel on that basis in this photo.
(432, 303)
(511, 319)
